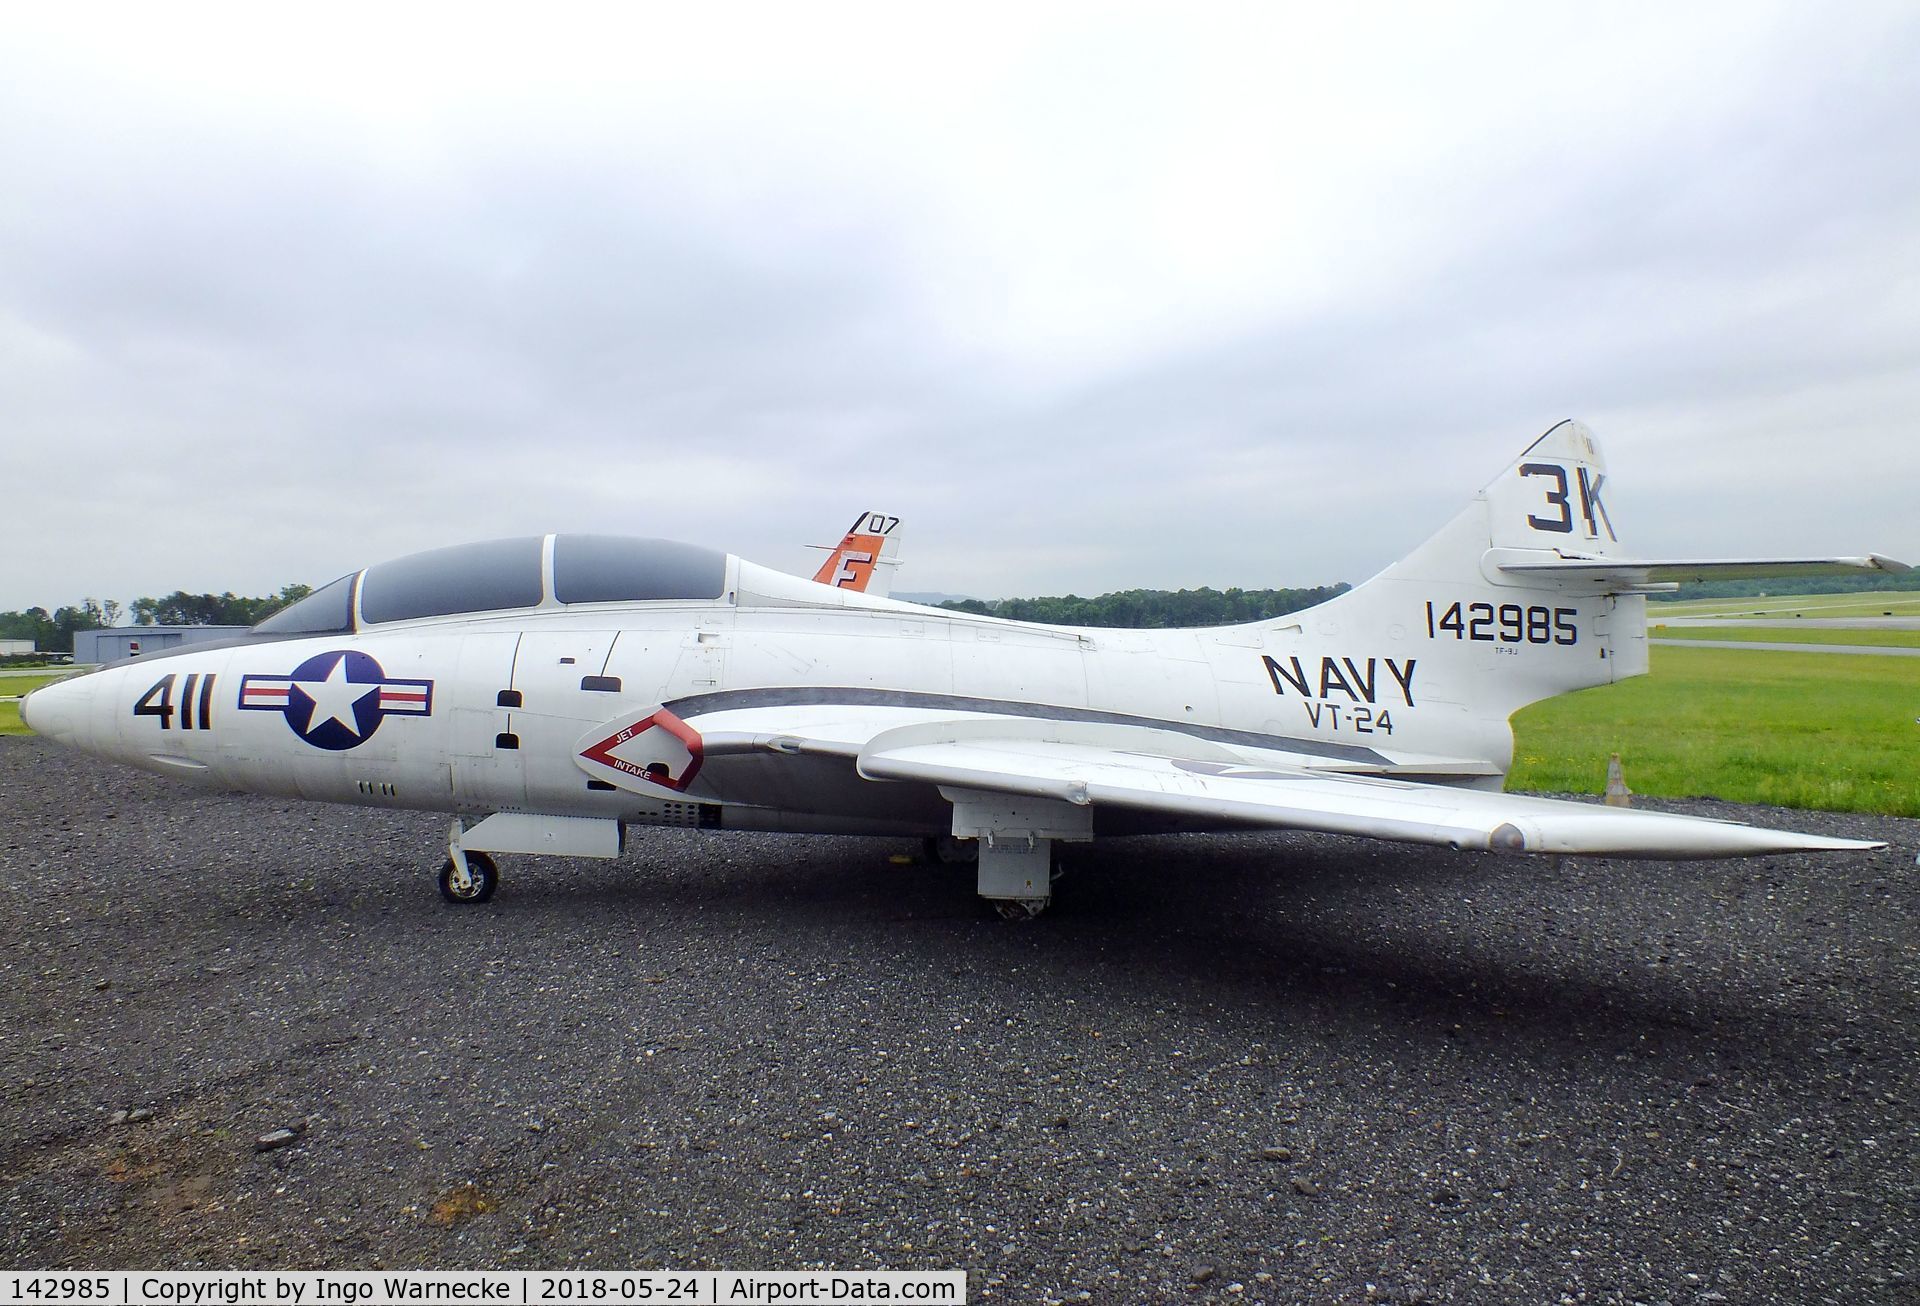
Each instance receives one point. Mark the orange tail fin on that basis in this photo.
(865, 557)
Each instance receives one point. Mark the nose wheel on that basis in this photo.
(473, 882)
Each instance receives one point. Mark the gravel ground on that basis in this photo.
(1246, 1068)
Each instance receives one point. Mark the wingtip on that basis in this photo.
(1818, 844)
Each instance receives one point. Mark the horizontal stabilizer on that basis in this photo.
(1603, 574)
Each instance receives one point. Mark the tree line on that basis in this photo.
(52, 632)
(1211, 607)
(1784, 585)
(1152, 608)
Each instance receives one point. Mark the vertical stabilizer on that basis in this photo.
(1487, 642)
(1527, 593)
(866, 557)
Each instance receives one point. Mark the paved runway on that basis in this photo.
(1265, 1068)
(1869, 649)
(1835, 623)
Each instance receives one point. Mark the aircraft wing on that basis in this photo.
(1630, 572)
(1144, 768)
(1375, 806)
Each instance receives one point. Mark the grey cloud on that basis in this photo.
(276, 349)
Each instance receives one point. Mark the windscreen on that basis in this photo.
(326, 611)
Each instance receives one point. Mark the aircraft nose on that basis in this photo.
(55, 711)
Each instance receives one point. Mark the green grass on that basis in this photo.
(26, 684)
(10, 722)
(1821, 730)
(1867, 636)
(1874, 603)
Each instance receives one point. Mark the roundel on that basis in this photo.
(336, 700)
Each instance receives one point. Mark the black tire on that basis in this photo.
(944, 850)
(481, 870)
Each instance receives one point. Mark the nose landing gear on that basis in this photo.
(469, 875)
(473, 883)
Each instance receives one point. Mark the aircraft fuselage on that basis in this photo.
(484, 714)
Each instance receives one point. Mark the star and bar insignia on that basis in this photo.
(336, 700)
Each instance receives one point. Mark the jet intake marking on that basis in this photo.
(336, 700)
(668, 743)
(1361, 684)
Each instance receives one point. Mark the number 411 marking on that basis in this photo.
(159, 702)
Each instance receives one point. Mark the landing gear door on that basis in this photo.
(488, 774)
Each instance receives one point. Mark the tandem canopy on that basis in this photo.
(502, 575)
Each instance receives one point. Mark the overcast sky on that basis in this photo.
(1092, 297)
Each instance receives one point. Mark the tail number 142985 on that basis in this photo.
(1509, 623)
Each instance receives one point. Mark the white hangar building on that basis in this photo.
(117, 642)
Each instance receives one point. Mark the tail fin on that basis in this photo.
(1527, 593)
(1493, 640)
(866, 556)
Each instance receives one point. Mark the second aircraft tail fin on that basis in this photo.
(866, 556)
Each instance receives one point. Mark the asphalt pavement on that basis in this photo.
(1792, 623)
(1260, 1067)
(1770, 646)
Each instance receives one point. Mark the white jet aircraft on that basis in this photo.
(551, 691)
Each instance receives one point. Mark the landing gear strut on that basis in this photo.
(469, 875)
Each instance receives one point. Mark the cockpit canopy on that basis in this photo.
(486, 576)
(499, 575)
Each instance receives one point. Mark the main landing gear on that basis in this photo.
(1016, 876)
(1009, 873)
(1020, 909)
(1014, 839)
(949, 851)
